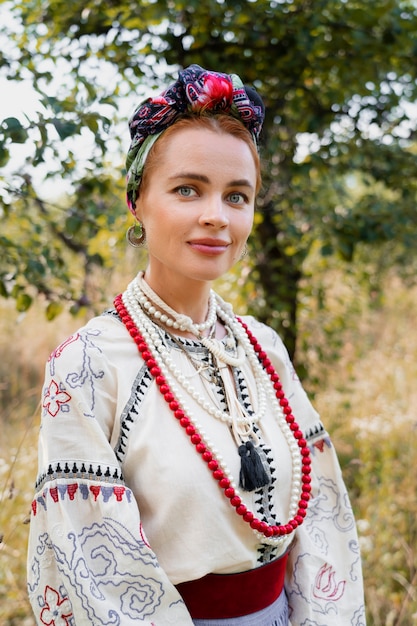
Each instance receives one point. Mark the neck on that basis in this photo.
(189, 298)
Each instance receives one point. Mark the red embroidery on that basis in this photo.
(57, 610)
(60, 349)
(143, 536)
(118, 492)
(319, 445)
(54, 398)
(95, 490)
(325, 585)
(72, 490)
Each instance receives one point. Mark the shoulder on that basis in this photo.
(272, 344)
(103, 339)
(267, 337)
(90, 370)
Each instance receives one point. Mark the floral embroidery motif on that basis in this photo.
(57, 610)
(54, 398)
(325, 585)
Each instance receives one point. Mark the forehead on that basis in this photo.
(204, 146)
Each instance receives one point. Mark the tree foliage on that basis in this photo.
(338, 145)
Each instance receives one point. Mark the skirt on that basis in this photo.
(276, 614)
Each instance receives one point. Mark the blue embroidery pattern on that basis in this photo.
(86, 374)
(102, 556)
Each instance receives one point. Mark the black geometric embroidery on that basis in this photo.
(314, 431)
(112, 313)
(131, 411)
(72, 470)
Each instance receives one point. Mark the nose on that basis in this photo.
(214, 212)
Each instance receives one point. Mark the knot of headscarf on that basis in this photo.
(196, 91)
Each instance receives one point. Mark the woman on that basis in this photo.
(184, 477)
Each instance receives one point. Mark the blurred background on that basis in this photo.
(333, 256)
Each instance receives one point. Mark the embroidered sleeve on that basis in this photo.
(89, 561)
(324, 578)
(324, 581)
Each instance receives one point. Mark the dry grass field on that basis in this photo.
(367, 398)
(369, 403)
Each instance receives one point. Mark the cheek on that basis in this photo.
(163, 228)
(245, 226)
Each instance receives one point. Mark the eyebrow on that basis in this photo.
(242, 182)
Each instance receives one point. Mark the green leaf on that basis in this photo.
(327, 250)
(4, 155)
(15, 130)
(65, 129)
(53, 310)
(92, 123)
(3, 291)
(73, 224)
(23, 302)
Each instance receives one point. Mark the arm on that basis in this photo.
(89, 561)
(324, 579)
(324, 576)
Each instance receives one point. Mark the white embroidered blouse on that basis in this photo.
(125, 508)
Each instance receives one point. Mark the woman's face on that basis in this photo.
(197, 205)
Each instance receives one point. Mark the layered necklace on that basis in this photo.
(240, 421)
(141, 310)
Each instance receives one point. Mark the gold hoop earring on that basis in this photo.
(136, 235)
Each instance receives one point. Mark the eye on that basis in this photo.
(185, 191)
(236, 197)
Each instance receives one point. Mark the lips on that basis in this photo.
(209, 245)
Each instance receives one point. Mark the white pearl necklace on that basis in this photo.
(154, 342)
(148, 299)
(244, 420)
(182, 322)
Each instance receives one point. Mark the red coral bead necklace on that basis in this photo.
(128, 310)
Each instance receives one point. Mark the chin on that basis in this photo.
(205, 277)
(208, 274)
(204, 270)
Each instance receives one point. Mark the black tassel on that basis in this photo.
(252, 472)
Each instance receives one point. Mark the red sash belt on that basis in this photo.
(222, 596)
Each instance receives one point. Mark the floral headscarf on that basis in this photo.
(197, 90)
